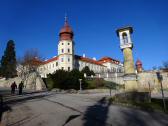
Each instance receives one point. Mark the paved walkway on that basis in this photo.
(78, 110)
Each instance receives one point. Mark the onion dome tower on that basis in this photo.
(66, 47)
(139, 66)
(66, 32)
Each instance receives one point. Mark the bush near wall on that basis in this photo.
(100, 83)
(65, 80)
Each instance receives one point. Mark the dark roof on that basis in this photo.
(123, 29)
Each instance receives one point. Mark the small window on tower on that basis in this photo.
(68, 43)
(68, 59)
(125, 38)
(56, 63)
(62, 59)
(62, 50)
(68, 50)
(69, 68)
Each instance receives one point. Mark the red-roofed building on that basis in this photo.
(67, 60)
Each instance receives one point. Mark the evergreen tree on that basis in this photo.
(87, 71)
(8, 61)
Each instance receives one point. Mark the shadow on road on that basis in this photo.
(14, 101)
(97, 114)
(70, 118)
(142, 118)
(3, 107)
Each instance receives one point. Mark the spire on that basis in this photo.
(66, 32)
(66, 19)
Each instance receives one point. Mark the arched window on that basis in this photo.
(62, 50)
(56, 63)
(125, 38)
(68, 50)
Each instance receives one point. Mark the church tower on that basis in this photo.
(139, 66)
(126, 46)
(66, 47)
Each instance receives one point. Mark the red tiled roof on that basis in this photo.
(50, 60)
(85, 59)
(108, 59)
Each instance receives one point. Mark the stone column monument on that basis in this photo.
(126, 46)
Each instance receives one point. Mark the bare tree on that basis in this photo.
(28, 64)
(165, 64)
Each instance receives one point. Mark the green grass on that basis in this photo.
(100, 83)
(155, 104)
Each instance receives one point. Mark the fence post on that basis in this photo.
(1, 103)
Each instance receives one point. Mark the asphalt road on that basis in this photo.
(78, 110)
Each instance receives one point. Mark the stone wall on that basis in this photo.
(148, 80)
(33, 82)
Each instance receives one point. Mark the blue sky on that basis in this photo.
(36, 24)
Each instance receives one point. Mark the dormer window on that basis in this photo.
(125, 38)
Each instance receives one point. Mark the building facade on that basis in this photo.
(67, 60)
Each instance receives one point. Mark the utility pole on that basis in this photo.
(80, 81)
(149, 90)
(160, 78)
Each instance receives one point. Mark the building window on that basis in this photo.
(69, 68)
(68, 50)
(53, 65)
(62, 43)
(62, 50)
(125, 38)
(114, 69)
(62, 59)
(56, 63)
(62, 68)
(68, 43)
(68, 59)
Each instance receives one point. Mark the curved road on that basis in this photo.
(78, 110)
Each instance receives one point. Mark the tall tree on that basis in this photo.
(87, 71)
(8, 61)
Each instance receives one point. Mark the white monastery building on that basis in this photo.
(67, 60)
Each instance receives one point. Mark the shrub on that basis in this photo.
(87, 71)
(66, 80)
(49, 83)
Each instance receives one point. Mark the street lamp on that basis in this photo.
(115, 82)
(80, 81)
(160, 78)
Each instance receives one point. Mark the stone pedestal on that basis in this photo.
(128, 61)
(130, 77)
(130, 82)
